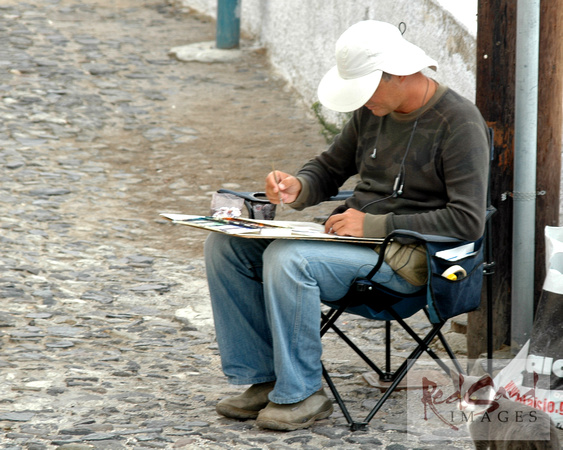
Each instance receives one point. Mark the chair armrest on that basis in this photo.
(342, 195)
(490, 212)
(250, 196)
(261, 196)
(423, 237)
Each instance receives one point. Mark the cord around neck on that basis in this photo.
(400, 178)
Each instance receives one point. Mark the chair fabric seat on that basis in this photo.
(375, 308)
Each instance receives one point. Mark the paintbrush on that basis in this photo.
(278, 185)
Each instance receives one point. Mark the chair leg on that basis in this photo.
(357, 350)
(489, 270)
(354, 426)
(402, 372)
(426, 342)
(390, 389)
(387, 349)
(450, 353)
(448, 349)
(328, 319)
(397, 376)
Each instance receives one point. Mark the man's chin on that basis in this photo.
(378, 113)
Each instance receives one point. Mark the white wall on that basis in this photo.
(300, 36)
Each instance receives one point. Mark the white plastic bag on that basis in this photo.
(535, 375)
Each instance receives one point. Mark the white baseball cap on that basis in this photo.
(363, 52)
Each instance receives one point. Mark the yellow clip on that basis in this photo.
(454, 273)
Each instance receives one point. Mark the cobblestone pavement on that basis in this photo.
(105, 330)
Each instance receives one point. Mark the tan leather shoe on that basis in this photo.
(295, 416)
(248, 404)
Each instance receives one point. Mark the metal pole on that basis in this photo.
(228, 24)
(525, 155)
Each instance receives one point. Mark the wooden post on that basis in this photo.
(496, 51)
(550, 122)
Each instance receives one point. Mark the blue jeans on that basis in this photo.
(265, 296)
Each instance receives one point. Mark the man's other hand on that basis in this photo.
(349, 223)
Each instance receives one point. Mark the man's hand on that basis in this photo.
(349, 223)
(282, 186)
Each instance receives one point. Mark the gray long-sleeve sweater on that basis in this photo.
(445, 169)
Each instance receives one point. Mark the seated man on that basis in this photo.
(421, 152)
